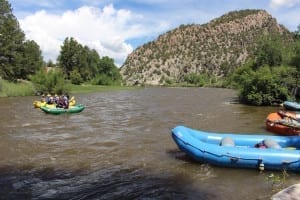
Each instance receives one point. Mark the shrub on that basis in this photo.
(262, 87)
(103, 79)
(75, 77)
(50, 82)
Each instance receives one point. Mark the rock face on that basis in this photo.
(289, 193)
(214, 48)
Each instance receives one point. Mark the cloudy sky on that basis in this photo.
(116, 27)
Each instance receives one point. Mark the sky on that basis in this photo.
(116, 27)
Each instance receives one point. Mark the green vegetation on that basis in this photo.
(18, 57)
(214, 49)
(269, 78)
(50, 82)
(199, 80)
(80, 64)
(26, 88)
(264, 86)
(22, 59)
(264, 69)
(277, 181)
(8, 89)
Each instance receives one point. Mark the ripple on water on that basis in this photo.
(118, 182)
(118, 147)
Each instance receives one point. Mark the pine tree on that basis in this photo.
(18, 58)
(31, 60)
(11, 39)
(81, 64)
(69, 58)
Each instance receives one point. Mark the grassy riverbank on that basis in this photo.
(8, 89)
(25, 88)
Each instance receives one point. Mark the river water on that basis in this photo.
(120, 147)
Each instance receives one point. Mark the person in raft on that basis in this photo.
(63, 102)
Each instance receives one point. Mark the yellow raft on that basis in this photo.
(38, 104)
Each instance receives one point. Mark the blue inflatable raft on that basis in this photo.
(291, 105)
(239, 150)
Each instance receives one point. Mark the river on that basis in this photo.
(120, 147)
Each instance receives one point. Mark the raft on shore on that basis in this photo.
(291, 105)
(256, 151)
(283, 123)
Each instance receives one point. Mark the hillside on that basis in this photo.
(215, 48)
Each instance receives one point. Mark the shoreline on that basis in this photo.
(22, 89)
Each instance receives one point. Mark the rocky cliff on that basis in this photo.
(217, 48)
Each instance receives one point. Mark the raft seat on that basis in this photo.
(269, 143)
(227, 142)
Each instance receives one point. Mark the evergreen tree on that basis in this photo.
(84, 65)
(69, 58)
(93, 62)
(77, 61)
(18, 58)
(11, 41)
(81, 64)
(31, 60)
(107, 67)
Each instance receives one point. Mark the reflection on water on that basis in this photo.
(120, 147)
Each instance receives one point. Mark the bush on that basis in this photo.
(75, 77)
(103, 79)
(262, 87)
(196, 79)
(50, 82)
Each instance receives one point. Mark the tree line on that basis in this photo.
(18, 57)
(22, 59)
(271, 75)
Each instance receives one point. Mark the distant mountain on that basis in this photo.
(217, 48)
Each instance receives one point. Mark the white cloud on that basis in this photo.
(283, 3)
(113, 32)
(105, 30)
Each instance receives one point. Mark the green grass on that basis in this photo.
(8, 89)
(25, 88)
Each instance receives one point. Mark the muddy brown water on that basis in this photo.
(120, 147)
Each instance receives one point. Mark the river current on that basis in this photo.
(120, 147)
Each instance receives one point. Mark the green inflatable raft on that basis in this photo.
(56, 111)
